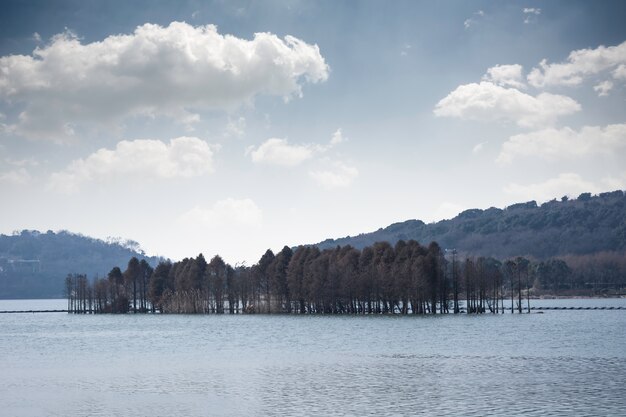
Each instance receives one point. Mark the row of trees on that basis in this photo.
(407, 278)
(583, 226)
(120, 292)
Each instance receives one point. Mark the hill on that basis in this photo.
(34, 264)
(586, 225)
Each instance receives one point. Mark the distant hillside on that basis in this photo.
(34, 264)
(588, 224)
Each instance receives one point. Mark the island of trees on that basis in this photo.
(576, 247)
(406, 278)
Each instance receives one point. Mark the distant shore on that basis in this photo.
(576, 297)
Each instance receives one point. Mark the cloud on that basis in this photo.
(505, 76)
(565, 184)
(474, 19)
(276, 151)
(565, 143)
(156, 71)
(18, 176)
(531, 14)
(224, 213)
(580, 64)
(478, 147)
(532, 10)
(487, 101)
(338, 176)
(336, 139)
(619, 73)
(235, 128)
(182, 157)
(603, 88)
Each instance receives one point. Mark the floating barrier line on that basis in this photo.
(578, 308)
(32, 311)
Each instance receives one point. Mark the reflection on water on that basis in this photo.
(557, 363)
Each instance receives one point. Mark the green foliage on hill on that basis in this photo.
(34, 264)
(586, 225)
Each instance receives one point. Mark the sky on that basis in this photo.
(231, 127)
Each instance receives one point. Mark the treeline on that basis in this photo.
(598, 274)
(407, 278)
(582, 226)
(120, 292)
(33, 264)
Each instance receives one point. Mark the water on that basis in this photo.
(556, 363)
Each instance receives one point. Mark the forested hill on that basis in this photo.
(588, 224)
(34, 264)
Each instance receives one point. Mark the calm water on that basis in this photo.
(556, 363)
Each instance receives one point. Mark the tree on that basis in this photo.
(278, 279)
(159, 283)
(264, 272)
(367, 278)
(145, 274)
(216, 274)
(522, 269)
(510, 269)
(295, 279)
(119, 298)
(131, 276)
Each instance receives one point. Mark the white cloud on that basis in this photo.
(619, 73)
(339, 175)
(490, 102)
(532, 10)
(235, 128)
(580, 64)
(565, 142)
(506, 76)
(337, 138)
(156, 70)
(36, 37)
(224, 214)
(478, 147)
(275, 151)
(473, 20)
(565, 184)
(18, 176)
(182, 157)
(531, 14)
(603, 88)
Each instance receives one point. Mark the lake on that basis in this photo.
(555, 363)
